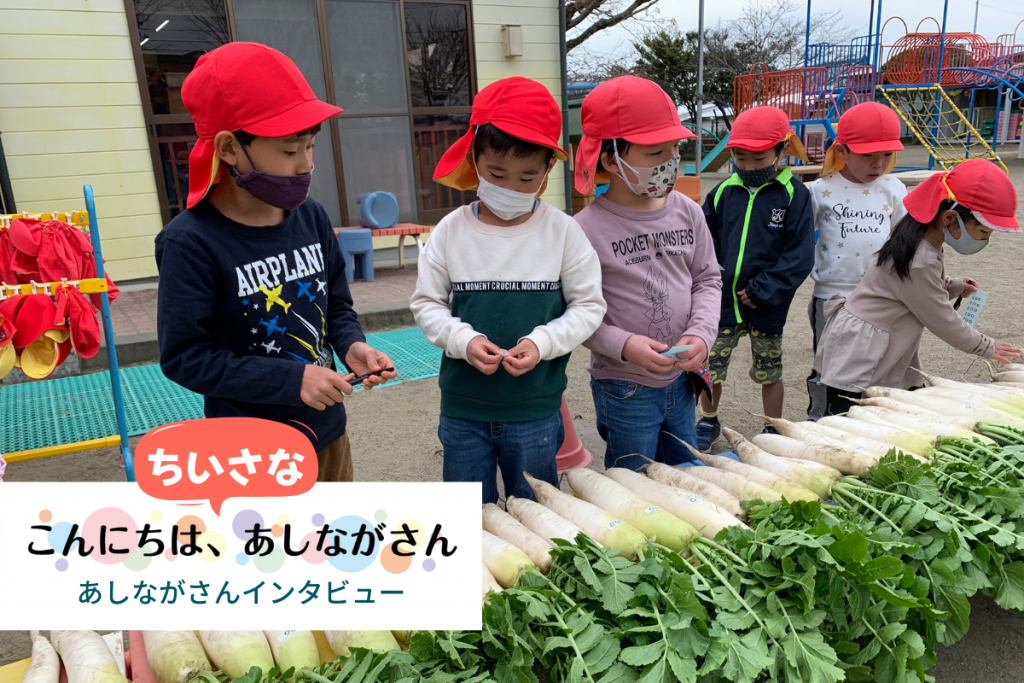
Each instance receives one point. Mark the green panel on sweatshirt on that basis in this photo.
(505, 312)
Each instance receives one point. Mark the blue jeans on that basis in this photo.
(474, 450)
(631, 418)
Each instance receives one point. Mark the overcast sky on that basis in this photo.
(995, 17)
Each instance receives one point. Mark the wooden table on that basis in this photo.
(403, 230)
(915, 178)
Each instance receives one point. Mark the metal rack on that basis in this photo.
(91, 286)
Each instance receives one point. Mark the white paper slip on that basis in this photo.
(115, 641)
(973, 308)
(671, 353)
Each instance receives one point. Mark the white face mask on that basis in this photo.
(504, 203)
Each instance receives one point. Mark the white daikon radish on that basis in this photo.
(824, 470)
(794, 430)
(489, 584)
(1012, 376)
(913, 423)
(675, 476)
(45, 666)
(175, 656)
(749, 454)
(739, 486)
(604, 527)
(1009, 387)
(789, 489)
(842, 459)
(235, 652)
(999, 366)
(505, 561)
(342, 642)
(693, 508)
(910, 441)
(861, 444)
(542, 521)
(86, 657)
(972, 397)
(508, 528)
(964, 407)
(917, 411)
(989, 391)
(655, 522)
(293, 649)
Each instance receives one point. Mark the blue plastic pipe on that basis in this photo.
(108, 334)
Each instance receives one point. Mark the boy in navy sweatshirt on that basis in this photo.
(762, 223)
(253, 301)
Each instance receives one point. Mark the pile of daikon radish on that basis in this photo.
(622, 509)
(182, 656)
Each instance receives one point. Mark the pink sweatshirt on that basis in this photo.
(660, 279)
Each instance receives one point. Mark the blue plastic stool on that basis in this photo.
(357, 247)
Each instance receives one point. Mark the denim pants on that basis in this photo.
(475, 450)
(631, 418)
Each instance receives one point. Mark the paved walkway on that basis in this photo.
(134, 312)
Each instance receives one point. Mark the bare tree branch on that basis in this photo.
(608, 13)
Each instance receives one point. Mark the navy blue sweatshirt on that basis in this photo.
(242, 311)
(764, 241)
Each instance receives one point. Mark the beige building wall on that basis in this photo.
(71, 115)
(540, 60)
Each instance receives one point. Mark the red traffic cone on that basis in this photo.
(572, 454)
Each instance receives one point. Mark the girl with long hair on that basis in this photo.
(872, 338)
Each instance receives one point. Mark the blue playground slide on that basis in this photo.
(712, 161)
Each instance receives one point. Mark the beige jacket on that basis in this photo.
(872, 338)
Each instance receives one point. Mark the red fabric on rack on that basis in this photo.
(73, 310)
(7, 274)
(51, 251)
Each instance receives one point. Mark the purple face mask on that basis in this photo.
(284, 192)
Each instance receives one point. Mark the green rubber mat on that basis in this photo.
(72, 409)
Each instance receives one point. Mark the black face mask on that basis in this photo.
(757, 178)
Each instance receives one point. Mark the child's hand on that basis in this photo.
(646, 353)
(521, 358)
(970, 286)
(691, 358)
(322, 387)
(364, 359)
(483, 355)
(1006, 353)
(745, 299)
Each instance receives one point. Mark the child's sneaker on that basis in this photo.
(708, 430)
(768, 429)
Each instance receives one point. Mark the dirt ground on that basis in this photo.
(394, 430)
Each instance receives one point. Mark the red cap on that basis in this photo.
(25, 235)
(978, 184)
(41, 343)
(250, 87)
(866, 128)
(869, 127)
(762, 128)
(75, 312)
(518, 106)
(7, 253)
(634, 109)
(8, 354)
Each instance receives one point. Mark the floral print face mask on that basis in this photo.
(656, 181)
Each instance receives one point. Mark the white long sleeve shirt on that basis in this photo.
(539, 281)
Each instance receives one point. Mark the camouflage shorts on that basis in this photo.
(766, 350)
